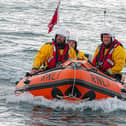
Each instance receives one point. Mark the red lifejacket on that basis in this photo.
(102, 61)
(56, 58)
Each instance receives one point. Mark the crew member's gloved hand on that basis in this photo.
(109, 71)
(123, 79)
(35, 70)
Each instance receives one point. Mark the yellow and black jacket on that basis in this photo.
(46, 52)
(118, 57)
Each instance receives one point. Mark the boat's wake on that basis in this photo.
(106, 105)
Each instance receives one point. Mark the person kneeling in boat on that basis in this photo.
(110, 56)
(72, 41)
(53, 53)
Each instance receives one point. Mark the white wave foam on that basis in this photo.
(105, 105)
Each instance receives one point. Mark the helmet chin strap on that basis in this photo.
(75, 45)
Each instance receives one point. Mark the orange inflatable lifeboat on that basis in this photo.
(72, 80)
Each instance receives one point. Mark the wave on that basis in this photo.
(22, 34)
(106, 105)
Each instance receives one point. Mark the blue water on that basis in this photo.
(23, 29)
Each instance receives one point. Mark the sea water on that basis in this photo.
(23, 29)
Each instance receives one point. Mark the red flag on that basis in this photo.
(54, 19)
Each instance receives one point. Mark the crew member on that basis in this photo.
(110, 56)
(72, 41)
(53, 53)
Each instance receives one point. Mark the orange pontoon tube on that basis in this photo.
(72, 80)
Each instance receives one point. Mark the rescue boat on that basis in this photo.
(72, 80)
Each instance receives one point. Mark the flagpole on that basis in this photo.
(59, 3)
(54, 18)
(104, 17)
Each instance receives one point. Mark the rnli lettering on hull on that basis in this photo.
(99, 81)
(51, 76)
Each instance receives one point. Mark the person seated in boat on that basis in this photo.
(110, 55)
(55, 52)
(72, 41)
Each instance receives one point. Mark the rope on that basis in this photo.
(74, 81)
(81, 100)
